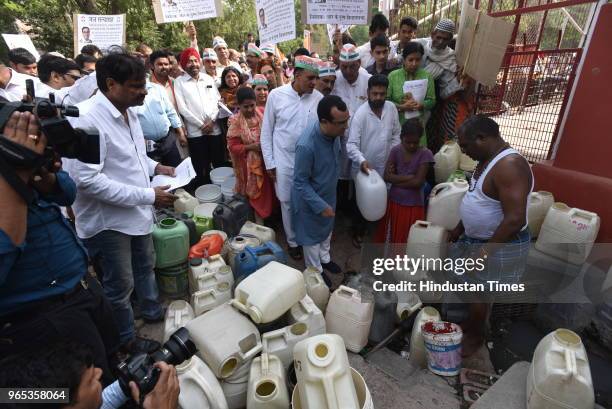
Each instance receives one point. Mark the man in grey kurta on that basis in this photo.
(315, 177)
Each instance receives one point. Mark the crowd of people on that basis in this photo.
(296, 133)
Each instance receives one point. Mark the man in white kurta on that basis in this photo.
(289, 110)
(374, 130)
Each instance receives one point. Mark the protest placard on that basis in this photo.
(171, 11)
(21, 41)
(275, 20)
(101, 30)
(481, 44)
(331, 29)
(347, 12)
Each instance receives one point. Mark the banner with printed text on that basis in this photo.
(275, 20)
(171, 11)
(348, 12)
(100, 30)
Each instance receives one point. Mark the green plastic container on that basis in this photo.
(171, 242)
(173, 281)
(458, 174)
(203, 217)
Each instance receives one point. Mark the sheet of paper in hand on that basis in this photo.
(183, 175)
(416, 89)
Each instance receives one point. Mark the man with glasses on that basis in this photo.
(86, 62)
(352, 86)
(315, 178)
(56, 74)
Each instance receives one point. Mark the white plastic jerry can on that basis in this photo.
(184, 202)
(316, 287)
(235, 387)
(201, 266)
(269, 292)
(323, 374)
(371, 195)
(306, 311)
(418, 353)
(212, 279)
(447, 161)
(282, 341)
(225, 339)
(408, 303)
(559, 376)
(267, 384)
(179, 312)
(206, 300)
(444, 202)
(539, 204)
(199, 386)
(263, 233)
(466, 163)
(425, 239)
(349, 317)
(568, 233)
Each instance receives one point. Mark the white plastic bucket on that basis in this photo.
(443, 344)
(218, 175)
(208, 194)
(227, 188)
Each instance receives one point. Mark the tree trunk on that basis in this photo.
(88, 6)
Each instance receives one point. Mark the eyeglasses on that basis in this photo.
(74, 77)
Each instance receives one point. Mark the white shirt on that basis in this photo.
(15, 90)
(371, 138)
(197, 100)
(82, 89)
(365, 53)
(43, 90)
(286, 116)
(353, 96)
(115, 194)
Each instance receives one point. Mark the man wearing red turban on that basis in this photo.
(186, 54)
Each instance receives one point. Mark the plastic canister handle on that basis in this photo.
(267, 338)
(348, 290)
(437, 188)
(264, 363)
(571, 369)
(422, 223)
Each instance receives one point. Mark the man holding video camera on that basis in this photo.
(46, 293)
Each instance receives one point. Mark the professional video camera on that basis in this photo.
(139, 368)
(62, 140)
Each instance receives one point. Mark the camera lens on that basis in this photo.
(178, 348)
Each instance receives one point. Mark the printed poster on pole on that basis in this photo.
(172, 11)
(101, 30)
(347, 12)
(275, 20)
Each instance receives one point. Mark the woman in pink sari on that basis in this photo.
(252, 180)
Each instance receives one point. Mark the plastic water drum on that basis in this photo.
(466, 163)
(219, 175)
(203, 217)
(539, 204)
(568, 233)
(418, 354)
(371, 194)
(236, 244)
(209, 194)
(348, 316)
(447, 161)
(444, 202)
(443, 345)
(559, 375)
(263, 233)
(267, 384)
(184, 202)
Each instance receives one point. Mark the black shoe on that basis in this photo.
(327, 281)
(162, 317)
(332, 267)
(141, 345)
(295, 253)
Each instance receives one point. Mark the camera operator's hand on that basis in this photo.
(163, 198)
(166, 391)
(23, 128)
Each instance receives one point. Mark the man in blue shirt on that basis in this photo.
(160, 122)
(315, 178)
(46, 293)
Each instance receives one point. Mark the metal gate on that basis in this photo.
(538, 70)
